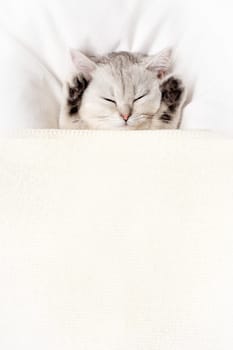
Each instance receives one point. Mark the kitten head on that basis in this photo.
(123, 89)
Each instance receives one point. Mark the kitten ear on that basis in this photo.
(82, 63)
(160, 63)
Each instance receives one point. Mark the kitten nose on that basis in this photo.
(125, 116)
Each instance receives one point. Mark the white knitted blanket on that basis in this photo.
(116, 241)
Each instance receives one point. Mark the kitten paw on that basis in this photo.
(75, 90)
(172, 91)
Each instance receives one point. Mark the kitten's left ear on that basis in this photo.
(82, 63)
(160, 63)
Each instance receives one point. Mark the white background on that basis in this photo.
(36, 35)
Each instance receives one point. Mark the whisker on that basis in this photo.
(148, 116)
(102, 117)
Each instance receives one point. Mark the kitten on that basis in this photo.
(122, 91)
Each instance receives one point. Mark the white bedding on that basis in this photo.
(35, 36)
(116, 241)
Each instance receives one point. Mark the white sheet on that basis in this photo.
(116, 241)
(36, 34)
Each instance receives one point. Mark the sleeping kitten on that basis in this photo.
(122, 91)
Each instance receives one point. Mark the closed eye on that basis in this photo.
(140, 97)
(109, 100)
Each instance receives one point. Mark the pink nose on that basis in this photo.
(125, 116)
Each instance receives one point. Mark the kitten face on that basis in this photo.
(122, 91)
(120, 97)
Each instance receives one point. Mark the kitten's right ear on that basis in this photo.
(82, 63)
(160, 63)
